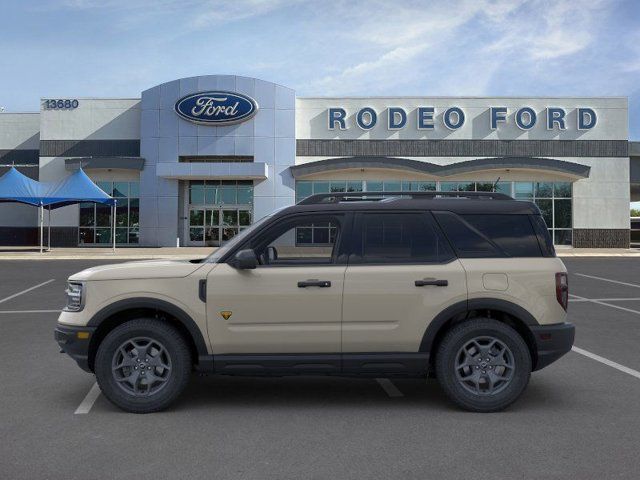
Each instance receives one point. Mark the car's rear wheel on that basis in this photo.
(143, 365)
(483, 365)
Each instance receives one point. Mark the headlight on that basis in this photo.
(75, 299)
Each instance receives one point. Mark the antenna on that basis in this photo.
(495, 184)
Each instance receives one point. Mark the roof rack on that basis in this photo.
(377, 196)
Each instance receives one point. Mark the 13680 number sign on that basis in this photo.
(60, 104)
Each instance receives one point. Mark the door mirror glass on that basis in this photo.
(245, 260)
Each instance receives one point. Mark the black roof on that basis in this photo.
(457, 202)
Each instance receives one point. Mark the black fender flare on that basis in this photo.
(155, 304)
(465, 306)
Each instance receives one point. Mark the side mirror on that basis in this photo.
(245, 260)
(272, 254)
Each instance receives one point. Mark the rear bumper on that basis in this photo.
(74, 345)
(552, 342)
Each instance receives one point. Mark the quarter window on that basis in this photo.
(514, 234)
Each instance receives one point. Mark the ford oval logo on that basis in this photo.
(216, 107)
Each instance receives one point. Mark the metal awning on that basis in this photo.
(213, 170)
(576, 170)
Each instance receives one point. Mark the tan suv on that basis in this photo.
(462, 286)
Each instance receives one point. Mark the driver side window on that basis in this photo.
(304, 240)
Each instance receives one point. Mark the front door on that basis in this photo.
(292, 302)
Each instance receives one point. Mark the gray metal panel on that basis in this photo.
(89, 148)
(19, 157)
(463, 148)
(634, 149)
(121, 163)
(533, 163)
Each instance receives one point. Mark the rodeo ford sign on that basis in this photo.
(216, 108)
(453, 118)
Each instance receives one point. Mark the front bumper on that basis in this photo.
(75, 341)
(552, 342)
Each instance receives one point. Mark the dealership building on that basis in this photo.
(194, 161)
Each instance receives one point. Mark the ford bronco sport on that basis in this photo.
(462, 286)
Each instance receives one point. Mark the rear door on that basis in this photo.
(401, 274)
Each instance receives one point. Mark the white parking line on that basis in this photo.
(26, 291)
(388, 386)
(89, 400)
(606, 361)
(608, 280)
(636, 299)
(30, 311)
(599, 302)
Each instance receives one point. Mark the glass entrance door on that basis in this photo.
(217, 210)
(212, 227)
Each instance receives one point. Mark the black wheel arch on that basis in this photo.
(119, 312)
(507, 312)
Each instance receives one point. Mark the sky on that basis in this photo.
(114, 48)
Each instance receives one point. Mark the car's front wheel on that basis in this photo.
(483, 365)
(143, 365)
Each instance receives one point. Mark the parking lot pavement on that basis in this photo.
(578, 418)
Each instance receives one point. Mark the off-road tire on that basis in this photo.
(178, 375)
(459, 336)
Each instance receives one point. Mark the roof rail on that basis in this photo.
(377, 196)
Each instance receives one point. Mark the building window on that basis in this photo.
(96, 222)
(306, 188)
(554, 199)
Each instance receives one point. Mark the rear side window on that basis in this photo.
(544, 239)
(483, 236)
(513, 234)
(398, 238)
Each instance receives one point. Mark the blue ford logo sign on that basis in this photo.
(216, 107)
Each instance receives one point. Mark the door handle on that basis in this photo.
(314, 283)
(431, 281)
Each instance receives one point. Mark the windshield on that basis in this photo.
(224, 249)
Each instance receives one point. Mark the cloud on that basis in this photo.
(543, 30)
(407, 38)
(217, 12)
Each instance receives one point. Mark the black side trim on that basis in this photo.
(462, 308)
(292, 364)
(387, 364)
(153, 303)
(404, 364)
(456, 310)
(504, 306)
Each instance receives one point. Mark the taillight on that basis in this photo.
(562, 289)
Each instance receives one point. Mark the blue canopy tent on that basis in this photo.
(17, 187)
(77, 188)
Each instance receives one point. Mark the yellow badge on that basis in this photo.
(226, 314)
